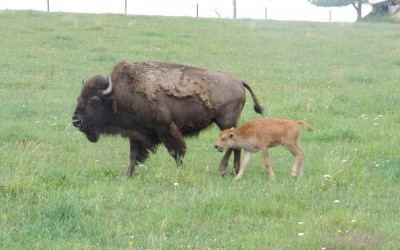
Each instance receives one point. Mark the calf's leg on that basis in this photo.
(243, 165)
(236, 161)
(268, 163)
(298, 164)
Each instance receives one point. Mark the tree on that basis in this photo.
(357, 4)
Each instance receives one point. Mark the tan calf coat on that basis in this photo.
(261, 134)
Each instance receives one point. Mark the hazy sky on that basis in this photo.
(276, 9)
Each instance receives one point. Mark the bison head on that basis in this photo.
(95, 107)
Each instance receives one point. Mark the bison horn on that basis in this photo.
(109, 88)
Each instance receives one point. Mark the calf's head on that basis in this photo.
(226, 139)
(95, 107)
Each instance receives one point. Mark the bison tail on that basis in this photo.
(257, 107)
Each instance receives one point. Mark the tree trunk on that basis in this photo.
(359, 10)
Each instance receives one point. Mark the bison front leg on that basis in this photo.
(174, 142)
(133, 159)
(224, 162)
(138, 153)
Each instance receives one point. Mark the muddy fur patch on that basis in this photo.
(174, 80)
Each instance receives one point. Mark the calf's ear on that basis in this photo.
(232, 135)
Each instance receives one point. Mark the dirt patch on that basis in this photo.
(396, 16)
(359, 239)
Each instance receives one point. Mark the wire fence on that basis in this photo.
(252, 9)
(196, 7)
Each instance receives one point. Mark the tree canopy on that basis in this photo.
(332, 3)
(357, 4)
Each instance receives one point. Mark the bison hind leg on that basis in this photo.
(174, 142)
(227, 118)
(178, 156)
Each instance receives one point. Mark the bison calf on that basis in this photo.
(261, 134)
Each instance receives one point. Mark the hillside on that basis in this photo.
(384, 11)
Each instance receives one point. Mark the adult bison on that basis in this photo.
(155, 102)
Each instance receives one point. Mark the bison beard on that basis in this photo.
(154, 102)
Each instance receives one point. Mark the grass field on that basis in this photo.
(59, 191)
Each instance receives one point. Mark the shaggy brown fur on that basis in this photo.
(155, 102)
(261, 134)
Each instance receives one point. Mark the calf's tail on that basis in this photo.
(257, 107)
(306, 125)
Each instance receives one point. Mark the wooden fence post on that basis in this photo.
(197, 9)
(48, 5)
(234, 9)
(126, 7)
(266, 13)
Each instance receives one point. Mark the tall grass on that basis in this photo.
(58, 191)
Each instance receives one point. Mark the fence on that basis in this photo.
(253, 9)
(197, 10)
(126, 8)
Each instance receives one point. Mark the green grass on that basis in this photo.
(58, 191)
